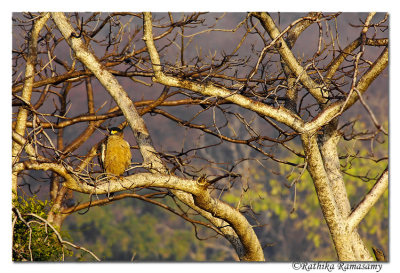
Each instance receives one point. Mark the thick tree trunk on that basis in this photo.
(324, 168)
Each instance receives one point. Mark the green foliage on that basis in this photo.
(133, 228)
(295, 227)
(39, 242)
(360, 176)
(303, 230)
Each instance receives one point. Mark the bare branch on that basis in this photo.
(114, 88)
(363, 83)
(368, 201)
(27, 90)
(280, 114)
(60, 239)
(216, 108)
(318, 91)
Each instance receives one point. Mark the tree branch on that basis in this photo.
(109, 82)
(20, 125)
(60, 239)
(331, 162)
(251, 250)
(146, 198)
(317, 91)
(280, 114)
(325, 195)
(369, 201)
(333, 67)
(335, 109)
(150, 156)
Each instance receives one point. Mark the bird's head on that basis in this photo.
(115, 131)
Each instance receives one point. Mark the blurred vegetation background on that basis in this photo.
(282, 206)
(279, 201)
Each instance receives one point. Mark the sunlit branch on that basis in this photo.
(280, 114)
(318, 91)
(362, 85)
(369, 201)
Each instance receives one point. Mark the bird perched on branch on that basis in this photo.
(115, 156)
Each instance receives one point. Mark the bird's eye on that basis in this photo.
(113, 132)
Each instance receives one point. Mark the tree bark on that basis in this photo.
(332, 198)
(20, 125)
(234, 226)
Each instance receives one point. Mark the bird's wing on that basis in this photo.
(128, 154)
(102, 156)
